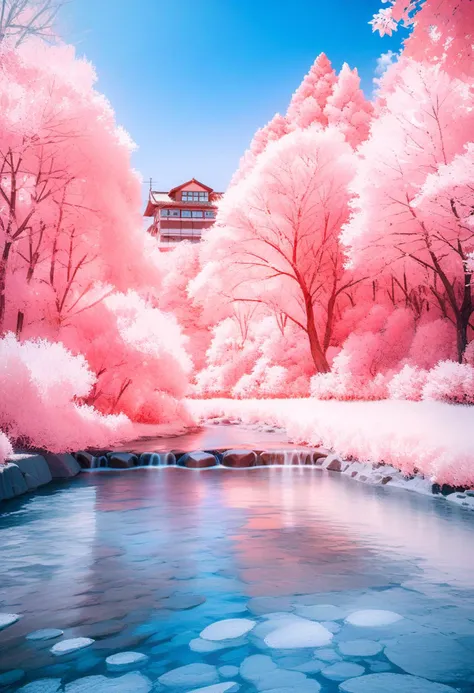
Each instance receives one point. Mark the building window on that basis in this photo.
(209, 215)
(164, 212)
(197, 214)
(186, 213)
(174, 213)
(194, 196)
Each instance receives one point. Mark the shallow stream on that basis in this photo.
(144, 561)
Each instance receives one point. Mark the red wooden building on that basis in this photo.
(181, 214)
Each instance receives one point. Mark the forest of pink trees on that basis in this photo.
(339, 267)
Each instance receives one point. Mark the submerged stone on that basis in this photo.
(72, 645)
(125, 660)
(190, 675)
(8, 620)
(368, 618)
(41, 686)
(227, 687)
(228, 629)
(300, 633)
(340, 671)
(133, 682)
(10, 677)
(228, 671)
(45, 634)
(253, 668)
(360, 648)
(435, 657)
(321, 612)
(392, 683)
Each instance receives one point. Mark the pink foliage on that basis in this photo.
(442, 31)
(42, 387)
(408, 383)
(309, 100)
(5, 448)
(450, 382)
(76, 266)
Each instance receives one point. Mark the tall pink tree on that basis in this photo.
(277, 234)
(309, 100)
(272, 131)
(413, 192)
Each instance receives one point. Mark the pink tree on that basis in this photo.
(412, 211)
(309, 100)
(348, 108)
(442, 31)
(272, 131)
(277, 234)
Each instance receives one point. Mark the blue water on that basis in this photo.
(144, 560)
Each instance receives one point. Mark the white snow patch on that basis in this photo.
(68, 646)
(297, 634)
(373, 617)
(228, 629)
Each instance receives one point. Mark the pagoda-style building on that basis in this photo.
(181, 214)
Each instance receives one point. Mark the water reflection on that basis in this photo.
(145, 560)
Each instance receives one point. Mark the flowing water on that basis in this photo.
(145, 561)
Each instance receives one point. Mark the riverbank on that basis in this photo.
(432, 439)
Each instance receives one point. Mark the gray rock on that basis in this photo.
(34, 468)
(86, 460)
(270, 457)
(62, 465)
(12, 482)
(122, 460)
(197, 460)
(239, 458)
(333, 463)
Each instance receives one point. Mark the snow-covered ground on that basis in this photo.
(430, 438)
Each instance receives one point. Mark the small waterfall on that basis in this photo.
(99, 462)
(157, 459)
(297, 457)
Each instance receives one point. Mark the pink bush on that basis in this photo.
(408, 383)
(450, 382)
(42, 386)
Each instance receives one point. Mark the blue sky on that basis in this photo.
(191, 80)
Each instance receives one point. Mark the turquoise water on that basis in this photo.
(145, 560)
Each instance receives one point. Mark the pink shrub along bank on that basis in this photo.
(431, 438)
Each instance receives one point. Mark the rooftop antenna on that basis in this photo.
(151, 184)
